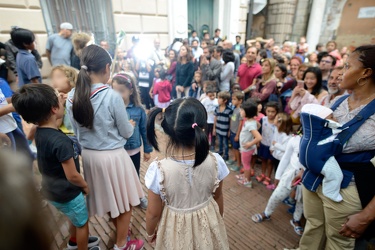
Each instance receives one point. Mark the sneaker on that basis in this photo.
(95, 248)
(144, 203)
(230, 162)
(131, 245)
(289, 201)
(245, 183)
(93, 241)
(235, 168)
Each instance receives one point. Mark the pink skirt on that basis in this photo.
(113, 182)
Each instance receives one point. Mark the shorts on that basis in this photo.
(264, 152)
(75, 210)
(235, 144)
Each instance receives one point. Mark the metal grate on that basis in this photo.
(90, 16)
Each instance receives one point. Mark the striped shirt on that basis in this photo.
(223, 120)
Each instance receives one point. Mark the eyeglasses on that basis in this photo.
(326, 61)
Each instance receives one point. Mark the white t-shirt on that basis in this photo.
(246, 135)
(7, 122)
(268, 130)
(152, 177)
(210, 106)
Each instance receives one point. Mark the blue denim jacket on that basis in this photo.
(138, 115)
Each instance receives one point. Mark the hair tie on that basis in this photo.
(84, 67)
(126, 78)
(194, 125)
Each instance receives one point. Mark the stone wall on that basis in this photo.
(25, 14)
(300, 20)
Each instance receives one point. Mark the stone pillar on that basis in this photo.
(315, 23)
(177, 19)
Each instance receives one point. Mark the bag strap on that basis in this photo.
(338, 102)
(353, 125)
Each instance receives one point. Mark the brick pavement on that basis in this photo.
(239, 204)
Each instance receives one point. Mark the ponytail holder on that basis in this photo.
(163, 110)
(194, 125)
(126, 78)
(84, 67)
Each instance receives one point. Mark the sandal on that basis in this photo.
(297, 229)
(252, 172)
(257, 218)
(260, 178)
(242, 170)
(271, 186)
(267, 181)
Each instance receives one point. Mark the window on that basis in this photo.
(90, 16)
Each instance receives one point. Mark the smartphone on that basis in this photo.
(296, 183)
(300, 83)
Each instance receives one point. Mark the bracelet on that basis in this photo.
(150, 236)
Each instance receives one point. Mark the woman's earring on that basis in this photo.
(359, 81)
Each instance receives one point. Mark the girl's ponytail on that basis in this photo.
(201, 145)
(83, 111)
(151, 135)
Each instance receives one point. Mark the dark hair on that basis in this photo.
(319, 45)
(20, 37)
(34, 102)
(129, 82)
(209, 87)
(238, 36)
(225, 95)
(95, 59)
(318, 74)
(189, 55)
(366, 57)
(175, 54)
(279, 59)
(228, 56)
(272, 104)
(162, 73)
(257, 50)
(218, 49)
(193, 31)
(178, 122)
(332, 57)
(283, 69)
(216, 30)
(250, 107)
(194, 40)
(263, 53)
(205, 33)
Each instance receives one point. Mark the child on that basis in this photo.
(58, 160)
(210, 84)
(155, 80)
(27, 68)
(284, 127)
(162, 89)
(102, 128)
(63, 79)
(249, 137)
(210, 103)
(235, 129)
(124, 84)
(323, 150)
(267, 132)
(196, 87)
(288, 169)
(222, 122)
(197, 203)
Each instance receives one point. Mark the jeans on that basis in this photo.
(145, 97)
(223, 144)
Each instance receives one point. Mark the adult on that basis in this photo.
(157, 53)
(79, 40)
(227, 70)
(319, 48)
(210, 67)
(196, 50)
(338, 225)
(206, 36)
(184, 71)
(59, 46)
(295, 62)
(280, 73)
(130, 52)
(105, 45)
(228, 45)
(326, 64)
(194, 36)
(171, 73)
(249, 71)
(239, 47)
(334, 89)
(217, 53)
(308, 91)
(217, 38)
(262, 89)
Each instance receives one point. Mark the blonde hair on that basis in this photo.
(80, 40)
(69, 72)
(272, 63)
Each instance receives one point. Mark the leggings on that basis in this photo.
(146, 99)
(136, 161)
(210, 128)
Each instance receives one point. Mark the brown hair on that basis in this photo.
(239, 95)
(225, 95)
(79, 41)
(286, 124)
(129, 82)
(69, 72)
(189, 55)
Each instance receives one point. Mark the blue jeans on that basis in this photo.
(223, 144)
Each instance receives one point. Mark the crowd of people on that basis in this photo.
(306, 118)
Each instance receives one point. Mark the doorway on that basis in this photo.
(200, 17)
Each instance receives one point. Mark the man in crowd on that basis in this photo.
(239, 46)
(194, 36)
(247, 72)
(158, 54)
(59, 46)
(326, 64)
(196, 50)
(104, 44)
(217, 38)
(210, 67)
(334, 89)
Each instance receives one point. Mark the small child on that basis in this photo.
(210, 84)
(320, 150)
(222, 122)
(197, 203)
(156, 79)
(282, 135)
(27, 68)
(249, 137)
(125, 85)
(267, 132)
(210, 103)
(196, 87)
(235, 129)
(58, 162)
(162, 89)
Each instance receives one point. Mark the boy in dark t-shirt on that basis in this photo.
(58, 162)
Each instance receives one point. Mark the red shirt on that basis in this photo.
(248, 73)
(163, 89)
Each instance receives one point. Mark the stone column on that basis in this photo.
(315, 23)
(177, 19)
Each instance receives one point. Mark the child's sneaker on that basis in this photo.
(245, 183)
(234, 168)
(289, 201)
(93, 241)
(230, 162)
